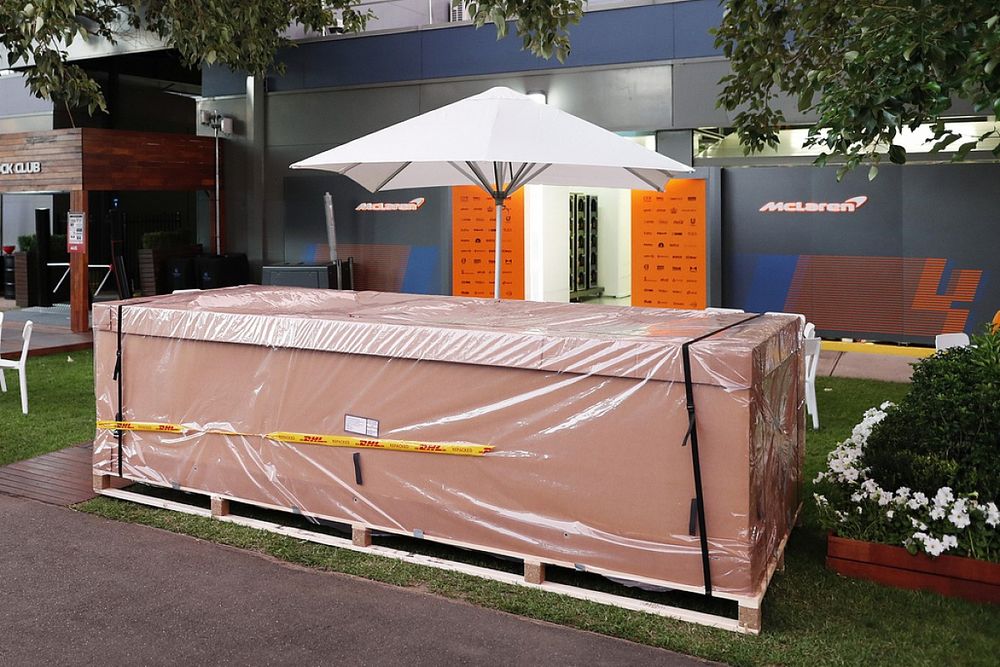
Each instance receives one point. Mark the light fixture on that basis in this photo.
(538, 96)
(223, 124)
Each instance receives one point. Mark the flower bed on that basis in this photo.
(923, 475)
(858, 507)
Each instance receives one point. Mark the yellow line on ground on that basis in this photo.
(874, 348)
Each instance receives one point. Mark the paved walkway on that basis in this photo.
(868, 366)
(119, 593)
(51, 332)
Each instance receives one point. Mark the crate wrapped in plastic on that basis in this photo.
(557, 433)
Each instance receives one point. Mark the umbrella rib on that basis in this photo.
(392, 176)
(515, 178)
(468, 175)
(533, 175)
(481, 177)
(348, 167)
(658, 188)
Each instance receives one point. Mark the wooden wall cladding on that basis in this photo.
(118, 160)
(48, 161)
(95, 159)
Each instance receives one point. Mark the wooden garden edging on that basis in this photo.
(954, 576)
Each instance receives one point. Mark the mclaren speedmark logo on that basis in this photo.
(411, 205)
(849, 206)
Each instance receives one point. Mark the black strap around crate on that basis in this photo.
(698, 508)
(119, 433)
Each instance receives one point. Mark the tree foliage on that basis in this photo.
(866, 69)
(242, 35)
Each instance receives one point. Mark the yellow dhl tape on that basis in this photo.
(452, 448)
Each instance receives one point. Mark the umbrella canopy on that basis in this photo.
(499, 140)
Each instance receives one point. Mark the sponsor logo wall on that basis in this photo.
(902, 258)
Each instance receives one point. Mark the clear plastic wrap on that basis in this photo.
(578, 412)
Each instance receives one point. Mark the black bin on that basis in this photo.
(237, 269)
(210, 271)
(179, 273)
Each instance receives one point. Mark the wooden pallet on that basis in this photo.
(749, 607)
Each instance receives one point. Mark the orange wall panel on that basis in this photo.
(669, 263)
(473, 241)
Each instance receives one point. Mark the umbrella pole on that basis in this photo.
(498, 250)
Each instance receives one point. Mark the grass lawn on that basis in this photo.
(60, 406)
(811, 616)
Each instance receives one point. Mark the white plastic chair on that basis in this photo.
(944, 341)
(809, 330)
(811, 348)
(19, 365)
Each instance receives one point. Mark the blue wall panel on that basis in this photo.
(602, 38)
(641, 34)
(691, 23)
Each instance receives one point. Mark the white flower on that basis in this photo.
(820, 500)
(992, 514)
(856, 497)
(919, 500)
(949, 541)
(918, 524)
(958, 516)
(944, 496)
(886, 405)
(861, 510)
(819, 478)
(934, 546)
(889, 514)
(884, 498)
(937, 513)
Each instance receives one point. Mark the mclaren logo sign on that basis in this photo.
(849, 206)
(411, 205)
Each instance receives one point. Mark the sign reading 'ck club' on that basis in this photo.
(18, 168)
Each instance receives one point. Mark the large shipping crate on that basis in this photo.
(557, 433)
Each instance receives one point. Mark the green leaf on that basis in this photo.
(872, 172)
(851, 56)
(897, 154)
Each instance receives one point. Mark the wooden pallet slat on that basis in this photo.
(749, 607)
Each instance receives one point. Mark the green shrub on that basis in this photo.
(167, 240)
(27, 242)
(946, 431)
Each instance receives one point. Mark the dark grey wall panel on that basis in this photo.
(917, 258)
(696, 90)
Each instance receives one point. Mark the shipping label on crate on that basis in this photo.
(669, 267)
(361, 426)
(474, 244)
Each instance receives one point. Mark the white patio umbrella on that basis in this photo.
(499, 140)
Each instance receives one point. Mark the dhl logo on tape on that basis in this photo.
(452, 448)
